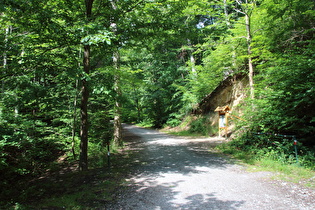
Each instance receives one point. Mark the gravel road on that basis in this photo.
(182, 173)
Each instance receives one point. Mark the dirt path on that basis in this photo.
(181, 173)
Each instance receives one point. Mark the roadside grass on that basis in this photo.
(184, 133)
(69, 201)
(294, 173)
(197, 126)
(94, 188)
(67, 188)
(289, 172)
(89, 195)
(145, 124)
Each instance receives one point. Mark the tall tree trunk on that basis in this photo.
(193, 63)
(5, 61)
(5, 56)
(74, 122)
(226, 14)
(229, 26)
(84, 112)
(117, 117)
(192, 59)
(8, 30)
(247, 10)
(249, 53)
(83, 162)
(116, 62)
(137, 101)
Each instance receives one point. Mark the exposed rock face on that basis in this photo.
(230, 92)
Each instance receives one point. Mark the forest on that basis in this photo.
(73, 71)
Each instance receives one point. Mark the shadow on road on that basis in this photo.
(157, 152)
(166, 171)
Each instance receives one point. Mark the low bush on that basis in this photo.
(202, 126)
(253, 147)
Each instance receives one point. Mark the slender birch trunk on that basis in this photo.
(117, 88)
(249, 53)
(116, 63)
(192, 59)
(5, 56)
(246, 10)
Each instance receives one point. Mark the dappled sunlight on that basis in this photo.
(174, 172)
(183, 173)
(165, 191)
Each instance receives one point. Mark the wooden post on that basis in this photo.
(223, 119)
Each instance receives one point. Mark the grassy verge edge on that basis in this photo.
(289, 172)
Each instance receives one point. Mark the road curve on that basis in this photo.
(182, 173)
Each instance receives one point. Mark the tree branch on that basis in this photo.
(133, 6)
(239, 11)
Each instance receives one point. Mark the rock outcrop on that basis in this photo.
(231, 92)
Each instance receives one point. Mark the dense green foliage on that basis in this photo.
(254, 147)
(283, 52)
(172, 54)
(285, 83)
(284, 103)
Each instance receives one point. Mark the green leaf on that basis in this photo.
(102, 36)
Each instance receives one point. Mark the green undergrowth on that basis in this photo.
(276, 156)
(65, 187)
(145, 124)
(195, 126)
(97, 188)
(287, 172)
(72, 190)
(184, 133)
(98, 154)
